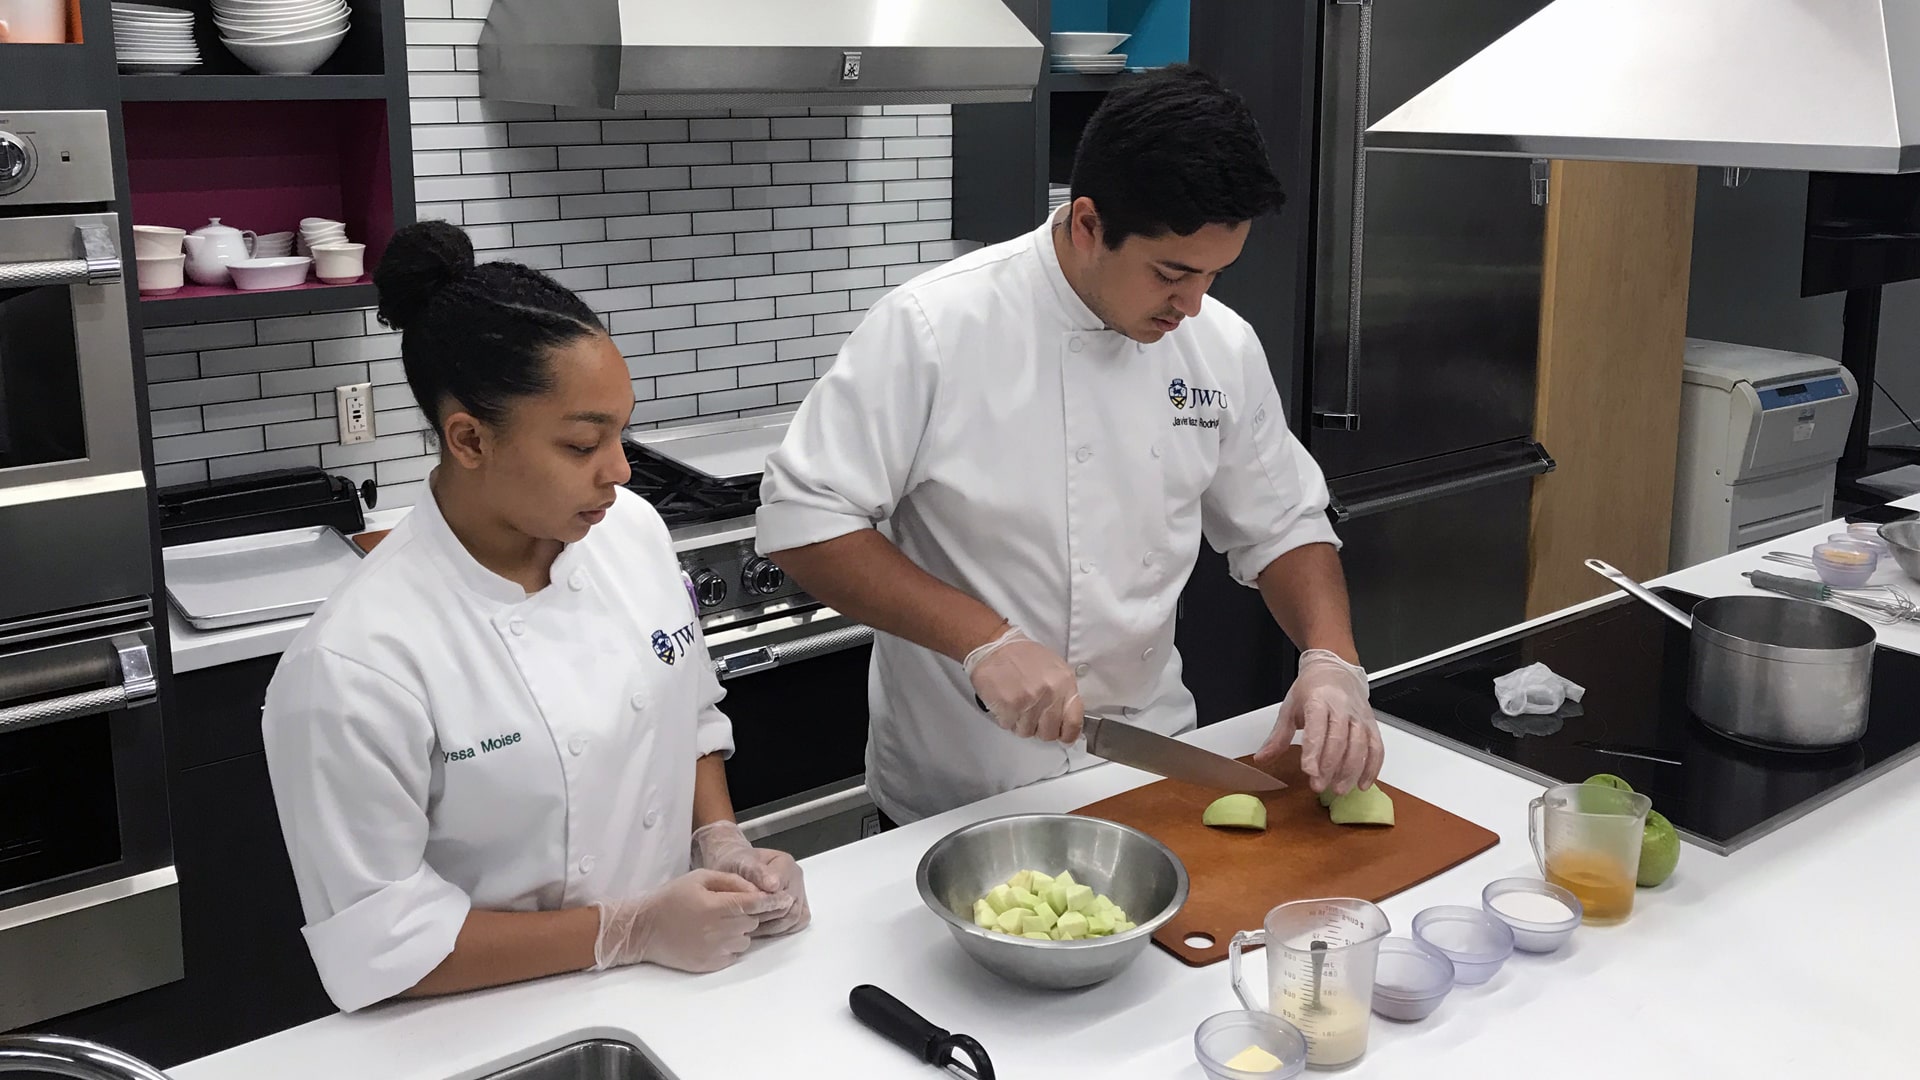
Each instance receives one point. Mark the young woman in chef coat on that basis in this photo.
(491, 746)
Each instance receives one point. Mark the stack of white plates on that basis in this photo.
(274, 245)
(1090, 65)
(1058, 195)
(1087, 53)
(319, 232)
(282, 37)
(154, 40)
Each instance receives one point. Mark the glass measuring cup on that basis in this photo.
(1586, 838)
(1320, 963)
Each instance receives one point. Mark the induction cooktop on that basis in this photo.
(1634, 723)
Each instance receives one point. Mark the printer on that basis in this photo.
(1761, 432)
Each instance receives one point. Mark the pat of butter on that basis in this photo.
(1254, 1059)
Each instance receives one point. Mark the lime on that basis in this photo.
(1607, 779)
(1659, 851)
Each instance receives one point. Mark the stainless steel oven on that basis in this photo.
(89, 907)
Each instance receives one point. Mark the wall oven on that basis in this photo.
(89, 908)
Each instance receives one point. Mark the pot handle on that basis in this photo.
(1536, 820)
(1239, 944)
(1641, 592)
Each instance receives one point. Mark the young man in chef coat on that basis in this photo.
(1010, 467)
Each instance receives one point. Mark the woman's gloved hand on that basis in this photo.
(699, 921)
(721, 845)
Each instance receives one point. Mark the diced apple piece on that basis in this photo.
(983, 915)
(1038, 936)
(1065, 880)
(1034, 922)
(1012, 920)
(1058, 934)
(1121, 927)
(1236, 812)
(1021, 880)
(1079, 898)
(1364, 806)
(1040, 883)
(1022, 897)
(1099, 926)
(1117, 915)
(1075, 925)
(1101, 905)
(1057, 897)
(1000, 899)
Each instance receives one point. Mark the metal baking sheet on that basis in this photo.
(726, 452)
(258, 578)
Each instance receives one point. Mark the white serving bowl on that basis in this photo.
(160, 274)
(281, 273)
(1084, 44)
(339, 264)
(300, 57)
(304, 26)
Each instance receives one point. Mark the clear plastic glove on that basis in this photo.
(1028, 689)
(722, 846)
(1340, 747)
(699, 921)
(1535, 690)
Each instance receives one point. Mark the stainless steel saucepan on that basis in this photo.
(1779, 673)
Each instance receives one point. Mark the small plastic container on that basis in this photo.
(1845, 563)
(1865, 532)
(1409, 982)
(1224, 1036)
(1475, 941)
(1532, 934)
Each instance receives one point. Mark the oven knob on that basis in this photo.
(762, 576)
(710, 587)
(13, 162)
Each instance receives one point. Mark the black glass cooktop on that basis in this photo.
(1634, 722)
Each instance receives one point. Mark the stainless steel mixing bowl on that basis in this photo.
(1132, 869)
(1904, 538)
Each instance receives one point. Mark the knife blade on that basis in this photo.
(1155, 753)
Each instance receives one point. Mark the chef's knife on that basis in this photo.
(1171, 758)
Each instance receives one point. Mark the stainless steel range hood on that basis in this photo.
(1820, 85)
(693, 54)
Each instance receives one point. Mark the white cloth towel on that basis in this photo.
(1535, 689)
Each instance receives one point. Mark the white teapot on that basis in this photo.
(211, 247)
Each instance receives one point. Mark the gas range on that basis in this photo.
(1634, 723)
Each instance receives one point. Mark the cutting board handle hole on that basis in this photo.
(1199, 941)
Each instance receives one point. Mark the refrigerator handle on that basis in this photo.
(1378, 493)
(1346, 415)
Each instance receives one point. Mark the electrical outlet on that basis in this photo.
(353, 408)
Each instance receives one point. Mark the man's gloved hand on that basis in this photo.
(721, 846)
(1029, 690)
(1340, 748)
(699, 921)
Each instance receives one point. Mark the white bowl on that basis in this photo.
(300, 57)
(225, 8)
(160, 274)
(157, 241)
(1084, 44)
(282, 28)
(339, 264)
(282, 273)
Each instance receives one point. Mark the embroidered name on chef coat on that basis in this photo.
(1182, 396)
(487, 746)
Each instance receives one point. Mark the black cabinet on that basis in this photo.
(248, 973)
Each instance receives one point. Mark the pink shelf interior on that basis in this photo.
(262, 166)
(191, 291)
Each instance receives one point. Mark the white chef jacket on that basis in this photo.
(439, 740)
(1061, 473)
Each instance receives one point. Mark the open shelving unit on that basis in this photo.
(261, 152)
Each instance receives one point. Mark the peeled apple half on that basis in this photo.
(1362, 806)
(1236, 812)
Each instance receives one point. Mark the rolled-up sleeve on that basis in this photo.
(349, 754)
(848, 457)
(1268, 495)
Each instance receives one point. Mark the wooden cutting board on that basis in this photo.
(1236, 876)
(369, 540)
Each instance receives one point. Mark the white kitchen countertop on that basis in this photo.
(1787, 959)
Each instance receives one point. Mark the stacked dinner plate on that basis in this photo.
(1058, 195)
(282, 37)
(1087, 53)
(152, 40)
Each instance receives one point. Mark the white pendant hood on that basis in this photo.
(1818, 85)
(677, 54)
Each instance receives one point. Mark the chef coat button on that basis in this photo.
(1074, 345)
(1086, 568)
(1082, 669)
(518, 627)
(1083, 453)
(1156, 449)
(586, 864)
(578, 581)
(1148, 558)
(638, 701)
(577, 746)
(652, 819)
(1147, 654)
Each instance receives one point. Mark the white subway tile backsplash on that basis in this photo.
(771, 197)
(811, 347)
(746, 397)
(811, 303)
(809, 127)
(918, 148)
(693, 383)
(481, 110)
(649, 225)
(905, 272)
(766, 243)
(745, 127)
(774, 330)
(691, 153)
(580, 278)
(885, 255)
(733, 311)
(404, 470)
(309, 432)
(601, 254)
(691, 201)
(436, 163)
(772, 285)
(934, 168)
(643, 131)
(498, 158)
(445, 211)
(579, 182)
(652, 178)
(657, 318)
(435, 111)
(539, 233)
(776, 372)
(300, 328)
(486, 211)
(429, 9)
(732, 266)
(290, 458)
(238, 414)
(770, 151)
(553, 132)
(387, 398)
(794, 392)
(172, 367)
(455, 188)
(656, 364)
(444, 31)
(387, 372)
(692, 247)
(733, 221)
(873, 127)
(545, 257)
(384, 448)
(175, 421)
(605, 300)
(733, 356)
(649, 273)
(699, 337)
(395, 421)
(845, 149)
(935, 125)
(936, 209)
(857, 278)
(849, 236)
(196, 336)
(308, 380)
(727, 176)
(919, 189)
(809, 172)
(209, 444)
(180, 472)
(878, 213)
(794, 262)
(882, 170)
(828, 194)
(653, 412)
(603, 156)
(806, 217)
(176, 395)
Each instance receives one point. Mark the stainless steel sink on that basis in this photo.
(596, 1059)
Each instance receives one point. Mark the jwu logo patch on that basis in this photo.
(670, 647)
(1199, 397)
(1177, 393)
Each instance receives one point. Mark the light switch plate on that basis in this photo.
(353, 408)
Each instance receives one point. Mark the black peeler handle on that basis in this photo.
(903, 1027)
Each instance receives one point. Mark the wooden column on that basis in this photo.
(1613, 321)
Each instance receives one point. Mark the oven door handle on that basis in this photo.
(768, 657)
(99, 264)
(129, 660)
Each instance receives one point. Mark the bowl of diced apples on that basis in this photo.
(1052, 901)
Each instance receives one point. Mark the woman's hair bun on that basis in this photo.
(420, 260)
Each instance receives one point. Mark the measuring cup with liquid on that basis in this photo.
(1587, 840)
(1320, 962)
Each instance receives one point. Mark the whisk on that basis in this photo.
(1883, 604)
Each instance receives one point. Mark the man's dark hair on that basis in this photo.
(1171, 151)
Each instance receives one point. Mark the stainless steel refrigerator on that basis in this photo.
(1398, 298)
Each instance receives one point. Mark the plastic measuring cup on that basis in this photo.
(1587, 840)
(1320, 964)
